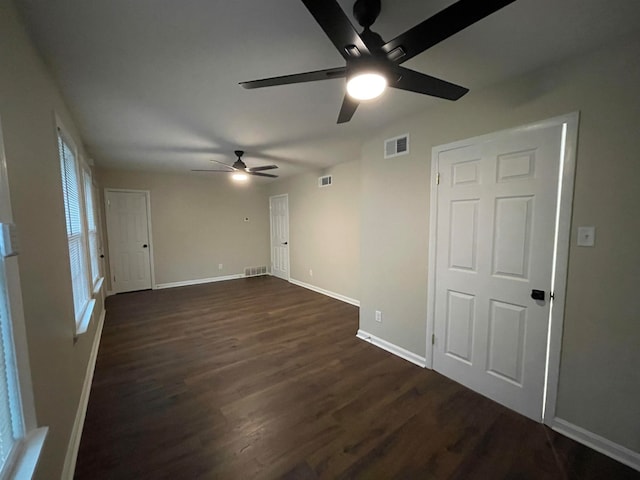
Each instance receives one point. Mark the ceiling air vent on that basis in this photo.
(325, 181)
(396, 146)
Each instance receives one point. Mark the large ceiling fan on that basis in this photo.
(372, 64)
(239, 169)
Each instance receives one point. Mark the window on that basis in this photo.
(72, 193)
(11, 429)
(92, 227)
(20, 441)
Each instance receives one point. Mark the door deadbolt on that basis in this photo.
(537, 294)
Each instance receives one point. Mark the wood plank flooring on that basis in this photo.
(259, 379)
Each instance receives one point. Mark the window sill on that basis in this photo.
(83, 326)
(31, 449)
(98, 286)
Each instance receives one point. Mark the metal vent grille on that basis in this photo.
(325, 181)
(396, 146)
(255, 271)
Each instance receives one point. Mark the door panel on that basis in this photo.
(279, 208)
(128, 234)
(496, 205)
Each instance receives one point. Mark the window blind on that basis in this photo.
(92, 228)
(11, 427)
(73, 215)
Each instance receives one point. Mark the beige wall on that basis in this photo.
(28, 99)
(600, 379)
(198, 223)
(324, 228)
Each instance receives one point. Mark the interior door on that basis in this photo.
(496, 211)
(128, 236)
(279, 208)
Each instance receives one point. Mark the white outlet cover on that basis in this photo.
(586, 236)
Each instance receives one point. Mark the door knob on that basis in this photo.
(537, 294)
(285, 243)
(144, 246)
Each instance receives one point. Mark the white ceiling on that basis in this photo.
(154, 83)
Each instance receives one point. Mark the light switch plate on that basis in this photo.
(586, 236)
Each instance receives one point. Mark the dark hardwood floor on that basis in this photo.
(257, 378)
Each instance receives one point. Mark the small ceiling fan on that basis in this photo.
(239, 169)
(372, 64)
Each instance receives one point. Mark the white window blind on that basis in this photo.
(11, 424)
(92, 228)
(73, 212)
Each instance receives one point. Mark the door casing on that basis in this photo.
(562, 241)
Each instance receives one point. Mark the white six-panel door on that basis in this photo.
(279, 208)
(496, 211)
(128, 234)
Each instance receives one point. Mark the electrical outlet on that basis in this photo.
(378, 316)
(310, 273)
(219, 266)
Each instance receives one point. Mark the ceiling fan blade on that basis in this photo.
(327, 74)
(221, 163)
(348, 108)
(258, 174)
(338, 28)
(421, 83)
(440, 26)
(259, 169)
(216, 171)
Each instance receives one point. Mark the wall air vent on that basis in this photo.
(255, 271)
(396, 146)
(325, 181)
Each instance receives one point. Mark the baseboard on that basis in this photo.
(328, 293)
(76, 434)
(199, 281)
(391, 348)
(598, 443)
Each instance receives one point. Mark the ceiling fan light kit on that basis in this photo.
(366, 85)
(383, 59)
(239, 176)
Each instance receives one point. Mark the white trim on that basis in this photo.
(562, 255)
(392, 348)
(110, 293)
(611, 449)
(83, 326)
(185, 283)
(328, 293)
(147, 194)
(76, 434)
(98, 286)
(31, 448)
(562, 265)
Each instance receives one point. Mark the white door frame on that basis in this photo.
(561, 250)
(147, 194)
(284, 195)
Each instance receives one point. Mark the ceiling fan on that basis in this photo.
(239, 169)
(372, 64)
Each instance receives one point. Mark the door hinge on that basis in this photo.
(433, 339)
(552, 295)
(438, 178)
